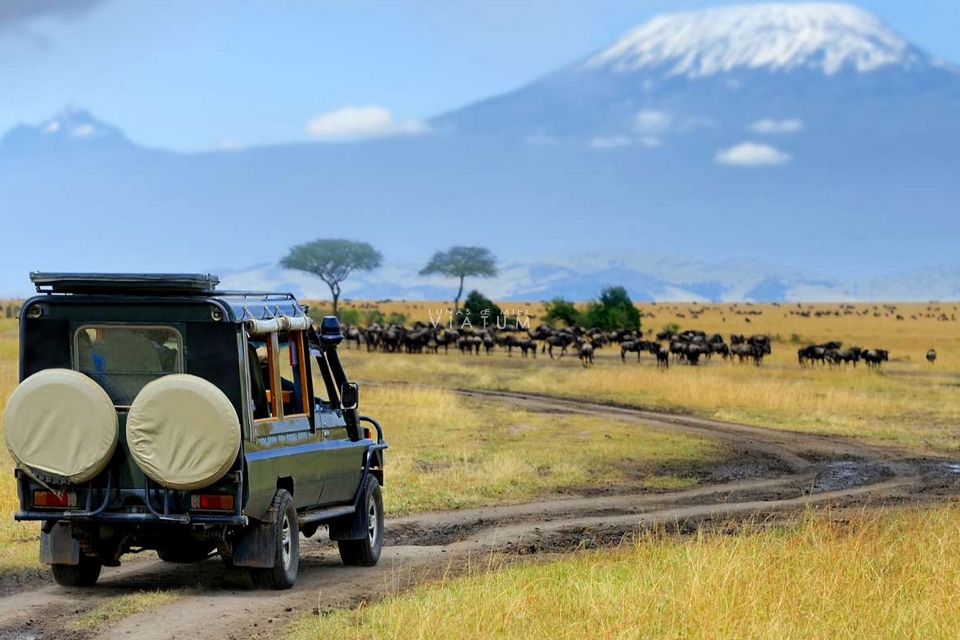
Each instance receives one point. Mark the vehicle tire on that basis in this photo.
(82, 574)
(365, 552)
(283, 574)
(185, 552)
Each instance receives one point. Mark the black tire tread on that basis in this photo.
(360, 553)
(276, 578)
(83, 574)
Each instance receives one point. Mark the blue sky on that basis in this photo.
(192, 75)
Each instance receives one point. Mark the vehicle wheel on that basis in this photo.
(185, 552)
(287, 553)
(83, 574)
(365, 552)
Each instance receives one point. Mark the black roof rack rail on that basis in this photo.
(129, 283)
(260, 295)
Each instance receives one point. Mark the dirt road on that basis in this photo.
(773, 473)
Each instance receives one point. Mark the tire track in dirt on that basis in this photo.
(221, 603)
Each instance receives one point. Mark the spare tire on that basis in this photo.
(62, 423)
(183, 432)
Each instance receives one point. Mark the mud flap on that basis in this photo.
(351, 527)
(59, 546)
(256, 545)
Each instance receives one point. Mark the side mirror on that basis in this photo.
(349, 396)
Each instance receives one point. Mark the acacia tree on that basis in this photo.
(460, 262)
(332, 261)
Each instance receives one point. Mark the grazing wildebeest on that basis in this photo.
(352, 334)
(445, 338)
(631, 346)
(585, 352)
(665, 334)
(663, 358)
(931, 356)
(488, 343)
(562, 340)
(875, 357)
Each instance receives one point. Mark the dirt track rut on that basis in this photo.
(219, 603)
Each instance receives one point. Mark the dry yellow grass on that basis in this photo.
(910, 403)
(449, 452)
(889, 575)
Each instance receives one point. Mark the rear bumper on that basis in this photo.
(121, 516)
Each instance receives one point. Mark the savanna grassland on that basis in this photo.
(908, 402)
(881, 573)
(876, 575)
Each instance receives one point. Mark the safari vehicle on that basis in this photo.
(155, 412)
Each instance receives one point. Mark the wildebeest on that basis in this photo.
(931, 356)
(875, 357)
(351, 334)
(585, 352)
(562, 340)
(663, 358)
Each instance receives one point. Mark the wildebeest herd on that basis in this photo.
(833, 354)
(684, 347)
(688, 347)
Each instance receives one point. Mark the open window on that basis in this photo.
(280, 387)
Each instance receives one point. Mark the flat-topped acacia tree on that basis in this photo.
(460, 262)
(332, 260)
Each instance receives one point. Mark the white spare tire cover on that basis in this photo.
(61, 422)
(183, 432)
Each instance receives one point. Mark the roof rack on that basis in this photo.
(120, 283)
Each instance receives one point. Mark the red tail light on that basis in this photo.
(56, 500)
(212, 502)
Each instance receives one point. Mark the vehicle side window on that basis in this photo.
(278, 377)
(293, 374)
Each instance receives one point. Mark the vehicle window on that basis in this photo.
(293, 374)
(283, 355)
(122, 359)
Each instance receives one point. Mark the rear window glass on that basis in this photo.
(123, 359)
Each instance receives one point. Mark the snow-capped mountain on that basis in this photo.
(72, 127)
(774, 37)
(647, 278)
(811, 135)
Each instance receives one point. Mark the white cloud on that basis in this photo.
(751, 154)
(51, 127)
(768, 125)
(652, 122)
(610, 142)
(650, 142)
(540, 139)
(356, 123)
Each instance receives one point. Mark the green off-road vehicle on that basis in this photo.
(156, 412)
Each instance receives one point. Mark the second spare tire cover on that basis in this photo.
(61, 422)
(183, 432)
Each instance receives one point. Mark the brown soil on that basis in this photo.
(776, 474)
